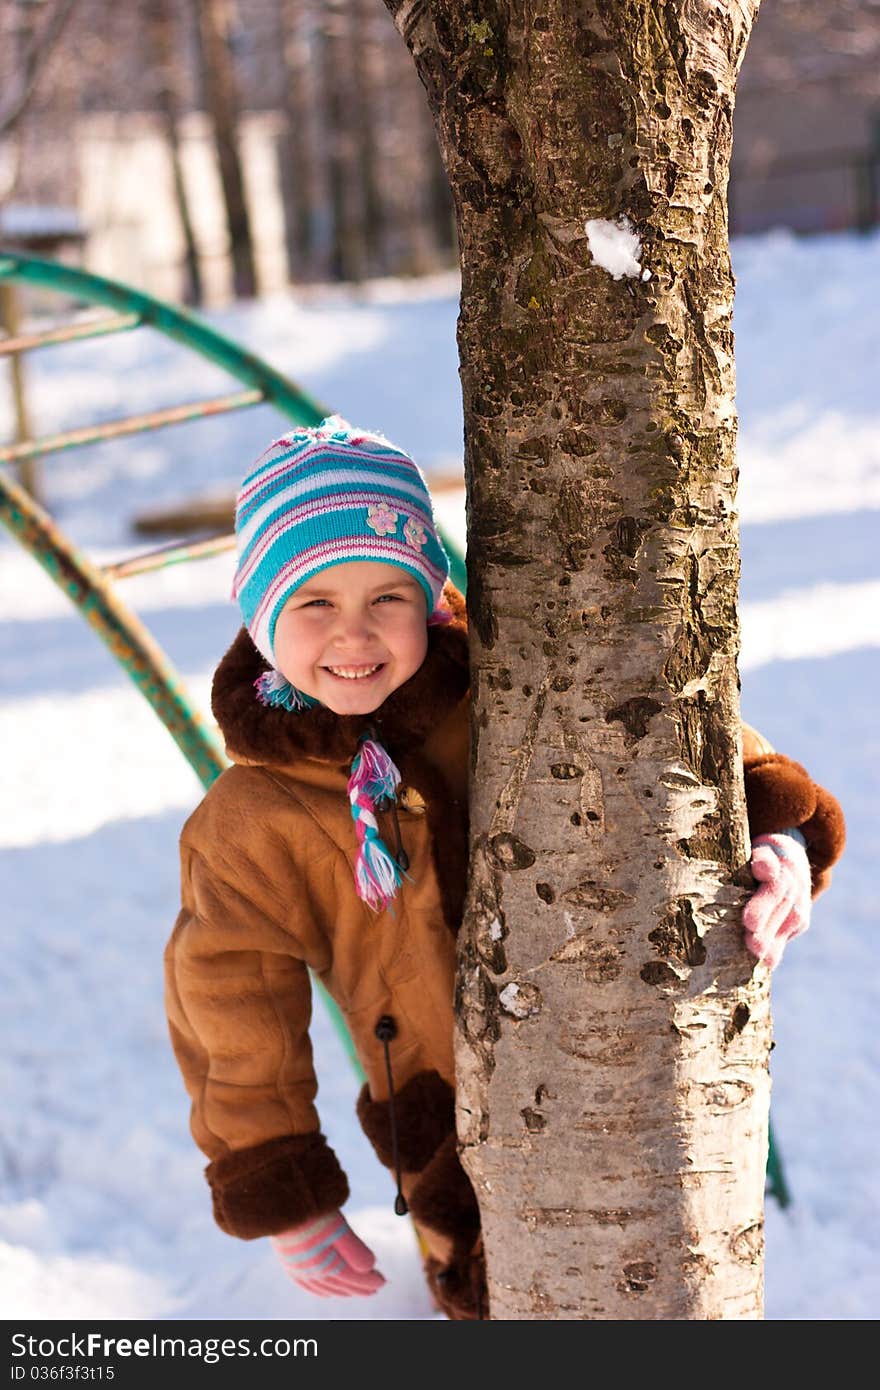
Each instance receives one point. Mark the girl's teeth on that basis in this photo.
(351, 675)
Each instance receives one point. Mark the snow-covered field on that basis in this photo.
(103, 1208)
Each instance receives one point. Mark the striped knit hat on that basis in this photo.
(318, 497)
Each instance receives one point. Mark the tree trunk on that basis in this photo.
(347, 257)
(363, 92)
(295, 159)
(221, 100)
(612, 1041)
(160, 23)
(34, 51)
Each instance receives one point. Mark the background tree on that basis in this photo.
(221, 100)
(296, 156)
(440, 209)
(613, 1041)
(373, 216)
(35, 29)
(166, 73)
(347, 252)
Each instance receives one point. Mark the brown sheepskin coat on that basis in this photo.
(268, 893)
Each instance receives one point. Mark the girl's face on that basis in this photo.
(346, 621)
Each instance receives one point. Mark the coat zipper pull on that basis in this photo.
(385, 1030)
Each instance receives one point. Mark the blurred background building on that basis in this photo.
(206, 149)
(806, 152)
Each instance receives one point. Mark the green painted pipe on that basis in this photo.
(119, 628)
(174, 323)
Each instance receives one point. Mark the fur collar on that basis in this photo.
(257, 733)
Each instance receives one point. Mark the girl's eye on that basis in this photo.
(312, 603)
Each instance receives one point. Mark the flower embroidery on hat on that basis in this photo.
(381, 519)
(415, 534)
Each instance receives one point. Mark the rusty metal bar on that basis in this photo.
(70, 333)
(174, 554)
(28, 472)
(133, 424)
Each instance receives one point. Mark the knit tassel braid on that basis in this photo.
(275, 690)
(373, 777)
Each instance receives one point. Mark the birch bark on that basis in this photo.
(613, 1039)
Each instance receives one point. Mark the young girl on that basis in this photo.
(337, 842)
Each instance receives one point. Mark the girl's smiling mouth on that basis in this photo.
(352, 673)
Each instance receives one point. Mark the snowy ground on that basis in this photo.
(103, 1208)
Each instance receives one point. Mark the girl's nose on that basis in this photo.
(353, 627)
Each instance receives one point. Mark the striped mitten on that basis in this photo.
(325, 1257)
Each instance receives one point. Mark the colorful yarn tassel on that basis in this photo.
(440, 617)
(373, 777)
(276, 690)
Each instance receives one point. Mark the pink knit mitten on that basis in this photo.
(779, 909)
(325, 1257)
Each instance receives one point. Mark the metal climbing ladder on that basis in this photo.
(93, 588)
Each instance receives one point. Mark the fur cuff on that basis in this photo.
(444, 1200)
(459, 1288)
(273, 1186)
(425, 1112)
(780, 795)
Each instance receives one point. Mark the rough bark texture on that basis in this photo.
(613, 1039)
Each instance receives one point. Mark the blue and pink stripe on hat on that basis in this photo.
(319, 497)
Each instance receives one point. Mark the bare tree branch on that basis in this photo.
(38, 52)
